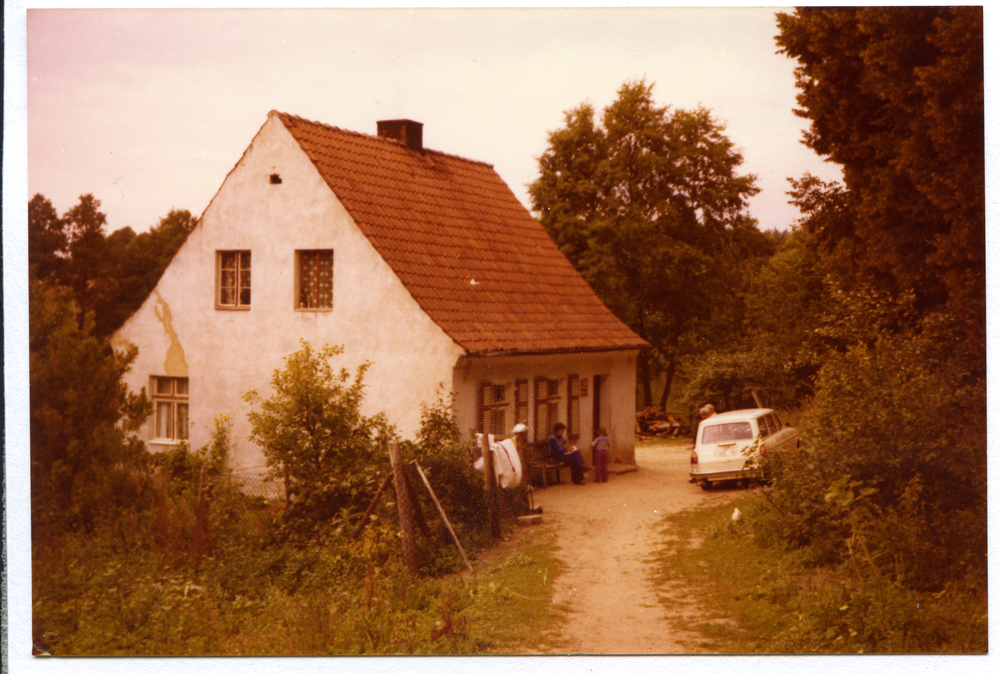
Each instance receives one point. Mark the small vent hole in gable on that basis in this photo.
(275, 179)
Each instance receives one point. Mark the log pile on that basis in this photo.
(653, 422)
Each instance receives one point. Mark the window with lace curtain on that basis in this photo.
(232, 279)
(314, 279)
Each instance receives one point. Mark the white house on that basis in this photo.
(423, 263)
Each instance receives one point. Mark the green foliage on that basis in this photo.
(776, 349)
(892, 477)
(313, 434)
(649, 208)
(84, 420)
(47, 239)
(110, 276)
(784, 602)
(895, 95)
(175, 580)
(448, 464)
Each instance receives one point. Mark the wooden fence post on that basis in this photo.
(492, 505)
(405, 509)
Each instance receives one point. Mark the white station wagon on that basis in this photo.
(728, 445)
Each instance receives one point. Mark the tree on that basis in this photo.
(313, 434)
(47, 239)
(83, 418)
(776, 350)
(650, 210)
(110, 276)
(895, 95)
(140, 264)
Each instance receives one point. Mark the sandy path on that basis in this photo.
(606, 534)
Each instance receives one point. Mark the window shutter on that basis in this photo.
(573, 406)
(541, 409)
(521, 401)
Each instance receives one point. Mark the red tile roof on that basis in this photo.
(466, 249)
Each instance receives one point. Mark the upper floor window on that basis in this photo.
(170, 402)
(233, 279)
(314, 279)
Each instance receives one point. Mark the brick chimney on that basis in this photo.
(404, 130)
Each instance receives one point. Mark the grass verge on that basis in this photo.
(765, 599)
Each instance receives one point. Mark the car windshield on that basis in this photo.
(739, 430)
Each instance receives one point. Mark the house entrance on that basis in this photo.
(598, 420)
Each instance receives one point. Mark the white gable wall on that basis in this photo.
(227, 352)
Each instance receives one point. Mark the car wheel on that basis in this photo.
(706, 485)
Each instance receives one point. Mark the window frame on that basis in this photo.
(546, 398)
(179, 425)
(238, 304)
(493, 400)
(299, 266)
(521, 402)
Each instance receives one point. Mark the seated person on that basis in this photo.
(563, 454)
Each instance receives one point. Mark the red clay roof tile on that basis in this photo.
(458, 239)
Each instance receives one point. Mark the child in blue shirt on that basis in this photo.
(601, 445)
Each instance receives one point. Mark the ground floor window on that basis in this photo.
(493, 409)
(546, 407)
(521, 402)
(170, 408)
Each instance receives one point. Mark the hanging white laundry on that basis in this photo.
(506, 462)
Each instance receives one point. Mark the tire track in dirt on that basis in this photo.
(607, 534)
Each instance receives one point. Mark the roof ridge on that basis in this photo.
(350, 132)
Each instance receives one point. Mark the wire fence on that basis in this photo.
(254, 482)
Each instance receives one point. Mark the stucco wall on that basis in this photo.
(226, 352)
(616, 370)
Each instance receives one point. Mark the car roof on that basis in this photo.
(737, 415)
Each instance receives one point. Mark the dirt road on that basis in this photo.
(606, 534)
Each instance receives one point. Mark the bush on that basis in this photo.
(313, 435)
(892, 475)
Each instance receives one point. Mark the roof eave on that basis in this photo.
(549, 352)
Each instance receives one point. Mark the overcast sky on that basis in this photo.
(150, 109)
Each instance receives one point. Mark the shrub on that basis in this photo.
(313, 434)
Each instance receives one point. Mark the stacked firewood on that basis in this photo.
(655, 422)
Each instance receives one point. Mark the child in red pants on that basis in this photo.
(601, 445)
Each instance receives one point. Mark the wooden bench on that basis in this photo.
(540, 464)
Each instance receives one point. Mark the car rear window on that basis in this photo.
(739, 430)
(768, 422)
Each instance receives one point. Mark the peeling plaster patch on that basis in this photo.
(175, 364)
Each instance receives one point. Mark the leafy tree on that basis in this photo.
(649, 208)
(895, 95)
(776, 349)
(83, 418)
(47, 239)
(110, 275)
(140, 264)
(313, 434)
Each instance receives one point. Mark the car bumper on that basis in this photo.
(723, 475)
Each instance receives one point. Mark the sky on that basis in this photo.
(148, 110)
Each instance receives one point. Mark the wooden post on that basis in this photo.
(447, 523)
(757, 398)
(371, 507)
(491, 487)
(405, 510)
